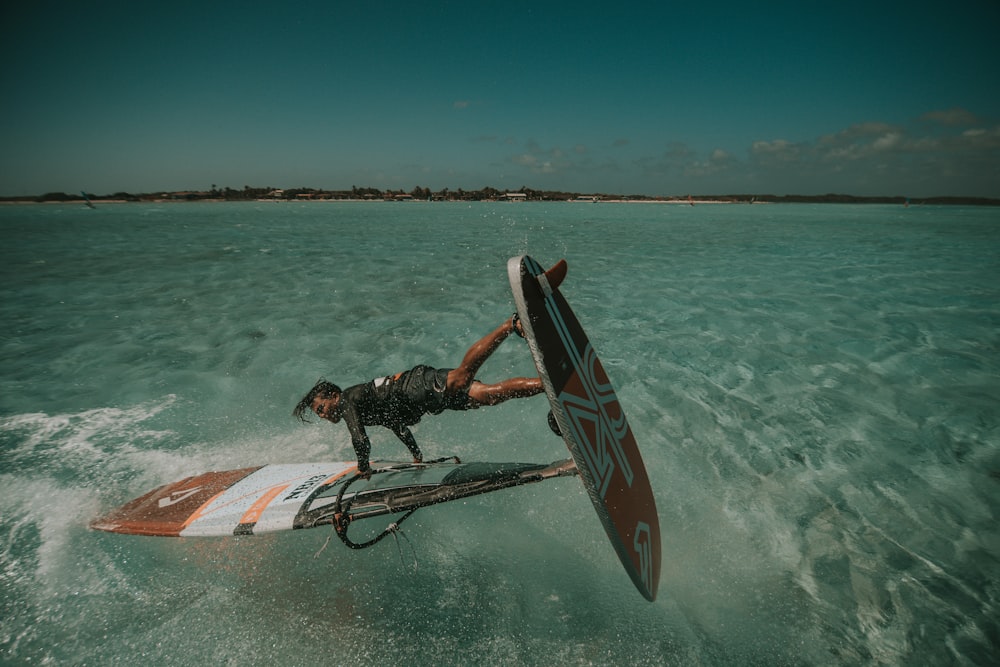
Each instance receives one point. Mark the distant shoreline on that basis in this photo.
(525, 195)
(930, 201)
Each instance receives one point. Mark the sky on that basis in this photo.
(653, 98)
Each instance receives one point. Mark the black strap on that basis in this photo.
(341, 508)
(514, 319)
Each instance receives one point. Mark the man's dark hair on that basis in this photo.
(323, 389)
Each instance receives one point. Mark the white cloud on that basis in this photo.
(888, 141)
(866, 158)
(779, 151)
(952, 117)
(540, 160)
(776, 147)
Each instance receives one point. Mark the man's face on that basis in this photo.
(327, 408)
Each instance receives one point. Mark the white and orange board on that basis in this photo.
(232, 502)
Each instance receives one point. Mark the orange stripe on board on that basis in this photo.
(260, 504)
(253, 514)
(333, 478)
(200, 511)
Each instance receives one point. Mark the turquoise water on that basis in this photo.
(815, 389)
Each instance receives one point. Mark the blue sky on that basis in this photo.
(866, 98)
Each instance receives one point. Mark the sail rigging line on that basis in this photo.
(326, 543)
(341, 509)
(396, 532)
(342, 518)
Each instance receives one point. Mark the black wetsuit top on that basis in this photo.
(396, 402)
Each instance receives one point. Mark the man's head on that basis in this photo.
(323, 399)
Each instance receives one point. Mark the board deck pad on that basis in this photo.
(591, 420)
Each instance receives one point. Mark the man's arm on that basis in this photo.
(359, 438)
(404, 434)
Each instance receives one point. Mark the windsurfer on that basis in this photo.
(399, 401)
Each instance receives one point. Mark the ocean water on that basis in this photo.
(815, 389)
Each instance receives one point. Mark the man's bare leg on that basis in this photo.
(462, 377)
(494, 394)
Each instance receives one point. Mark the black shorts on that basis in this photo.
(427, 387)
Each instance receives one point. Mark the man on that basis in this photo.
(399, 401)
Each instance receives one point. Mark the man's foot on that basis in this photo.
(556, 274)
(515, 324)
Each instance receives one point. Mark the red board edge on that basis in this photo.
(165, 511)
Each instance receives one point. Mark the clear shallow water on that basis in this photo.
(815, 390)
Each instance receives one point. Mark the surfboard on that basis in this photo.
(262, 499)
(590, 419)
